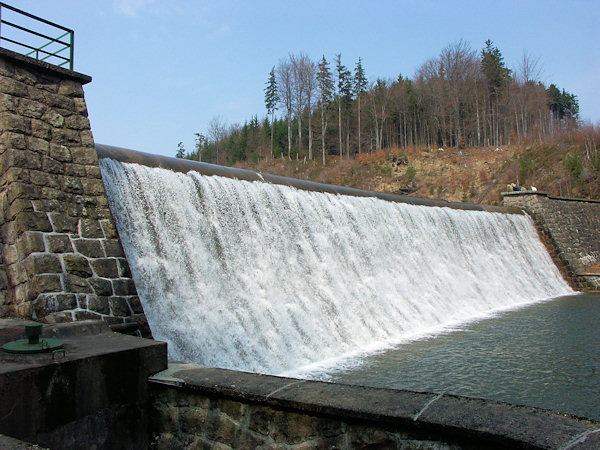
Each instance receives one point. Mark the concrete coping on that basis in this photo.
(44, 66)
(440, 414)
(185, 165)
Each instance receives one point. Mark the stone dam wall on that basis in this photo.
(61, 258)
(573, 228)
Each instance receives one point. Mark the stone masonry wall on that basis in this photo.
(61, 258)
(573, 226)
(190, 420)
(199, 407)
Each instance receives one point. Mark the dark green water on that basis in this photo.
(546, 355)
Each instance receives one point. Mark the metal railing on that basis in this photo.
(54, 50)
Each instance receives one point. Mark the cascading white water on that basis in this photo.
(267, 278)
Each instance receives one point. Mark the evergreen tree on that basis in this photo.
(496, 73)
(200, 143)
(360, 84)
(326, 86)
(562, 104)
(180, 151)
(497, 76)
(570, 105)
(344, 92)
(271, 100)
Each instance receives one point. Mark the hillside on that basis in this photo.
(474, 174)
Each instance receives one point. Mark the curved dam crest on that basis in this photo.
(269, 278)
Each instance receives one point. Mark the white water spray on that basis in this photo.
(267, 278)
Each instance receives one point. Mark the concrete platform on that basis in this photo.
(94, 394)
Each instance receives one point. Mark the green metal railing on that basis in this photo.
(54, 50)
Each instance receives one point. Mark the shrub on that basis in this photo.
(473, 191)
(525, 166)
(574, 165)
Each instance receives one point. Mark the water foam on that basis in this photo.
(267, 278)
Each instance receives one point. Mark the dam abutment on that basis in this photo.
(572, 227)
(61, 255)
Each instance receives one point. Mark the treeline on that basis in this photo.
(460, 98)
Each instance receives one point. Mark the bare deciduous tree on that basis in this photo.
(379, 95)
(217, 131)
(285, 82)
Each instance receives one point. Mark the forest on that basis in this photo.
(462, 98)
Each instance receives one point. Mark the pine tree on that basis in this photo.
(360, 84)
(271, 100)
(347, 91)
(200, 144)
(326, 86)
(180, 151)
(562, 104)
(496, 73)
(497, 76)
(344, 93)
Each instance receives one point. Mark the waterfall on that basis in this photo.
(267, 278)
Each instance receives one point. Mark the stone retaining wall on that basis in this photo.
(198, 407)
(61, 258)
(572, 226)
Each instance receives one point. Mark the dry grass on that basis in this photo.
(474, 175)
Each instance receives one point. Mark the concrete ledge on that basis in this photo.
(544, 194)
(184, 166)
(430, 417)
(27, 61)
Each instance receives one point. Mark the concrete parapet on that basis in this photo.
(61, 258)
(198, 407)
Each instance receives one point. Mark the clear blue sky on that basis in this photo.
(163, 69)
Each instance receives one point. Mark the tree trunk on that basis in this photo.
(289, 126)
(299, 133)
(340, 125)
(323, 131)
(359, 123)
(272, 134)
(477, 120)
(310, 151)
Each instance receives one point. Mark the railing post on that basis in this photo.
(72, 53)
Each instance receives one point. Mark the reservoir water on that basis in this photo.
(545, 355)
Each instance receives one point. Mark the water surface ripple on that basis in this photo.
(545, 355)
